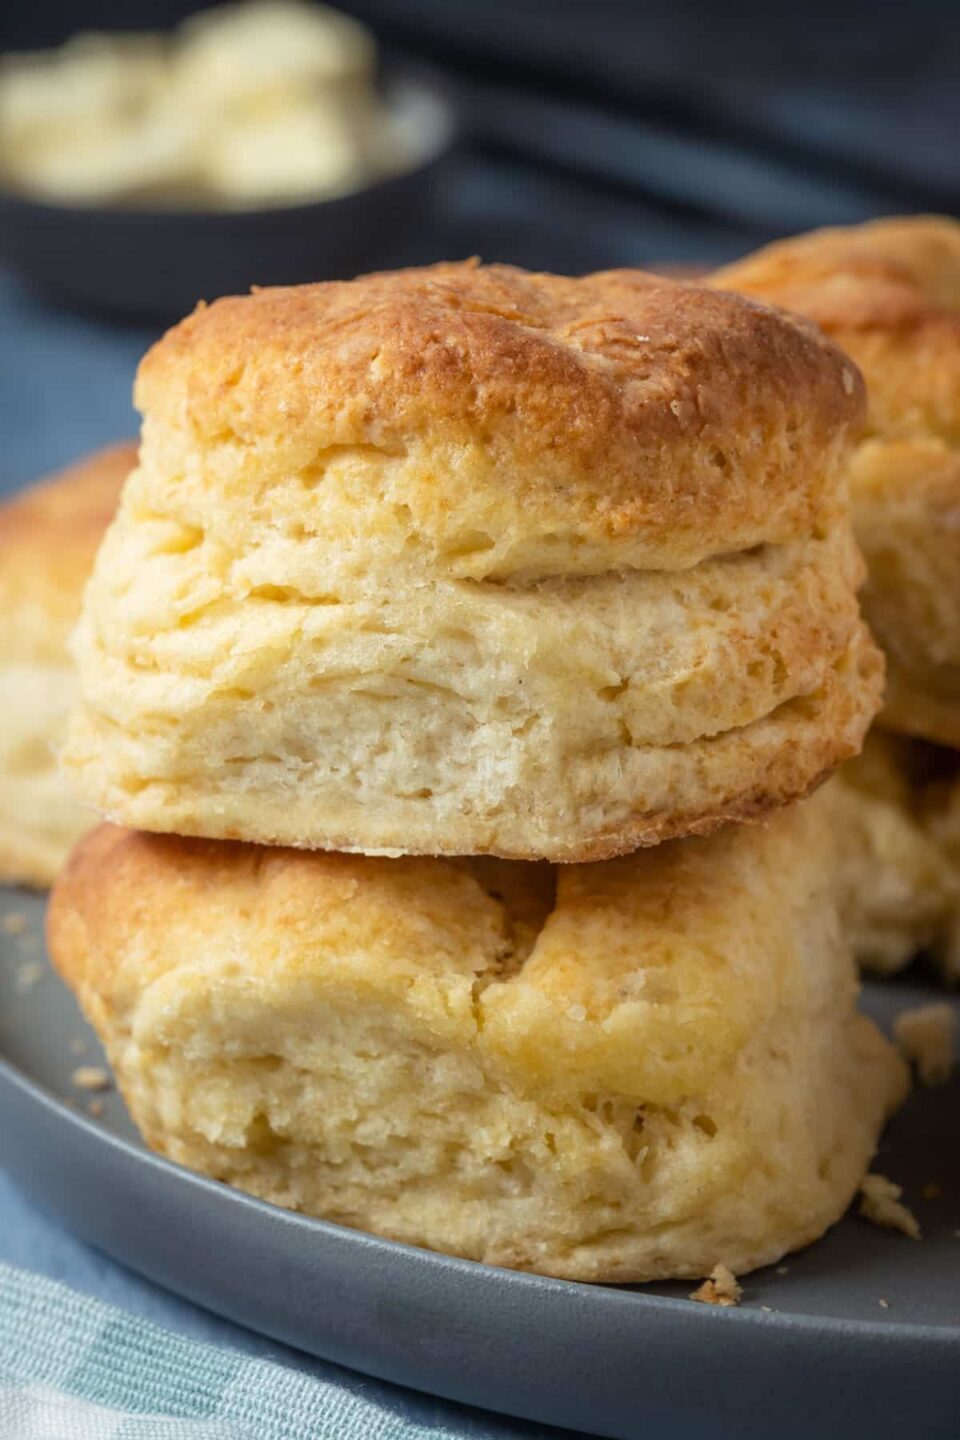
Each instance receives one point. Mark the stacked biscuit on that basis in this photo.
(889, 293)
(448, 619)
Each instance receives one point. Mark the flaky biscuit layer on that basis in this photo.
(621, 1071)
(570, 718)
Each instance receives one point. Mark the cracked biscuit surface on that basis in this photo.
(469, 560)
(620, 1071)
(888, 292)
(49, 535)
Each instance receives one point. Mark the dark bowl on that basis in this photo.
(157, 263)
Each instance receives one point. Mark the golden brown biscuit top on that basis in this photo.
(888, 292)
(49, 535)
(616, 405)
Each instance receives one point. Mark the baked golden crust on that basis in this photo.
(470, 561)
(48, 538)
(889, 293)
(527, 422)
(624, 1071)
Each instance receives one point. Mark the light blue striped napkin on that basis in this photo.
(72, 1368)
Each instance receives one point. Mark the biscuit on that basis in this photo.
(48, 538)
(899, 882)
(621, 1071)
(888, 292)
(465, 560)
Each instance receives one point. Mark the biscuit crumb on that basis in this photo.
(880, 1204)
(15, 923)
(28, 975)
(924, 1037)
(95, 1108)
(720, 1288)
(91, 1077)
(783, 1269)
(78, 1046)
(884, 1304)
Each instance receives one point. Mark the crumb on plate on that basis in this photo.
(15, 923)
(720, 1288)
(91, 1077)
(880, 1203)
(28, 975)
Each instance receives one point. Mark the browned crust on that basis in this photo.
(889, 293)
(646, 831)
(85, 909)
(919, 251)
(641, 832)
(620, 401)
(108, 886)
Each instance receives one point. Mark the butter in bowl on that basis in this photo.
(260, 142)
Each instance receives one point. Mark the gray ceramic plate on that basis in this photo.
(811, 1353)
